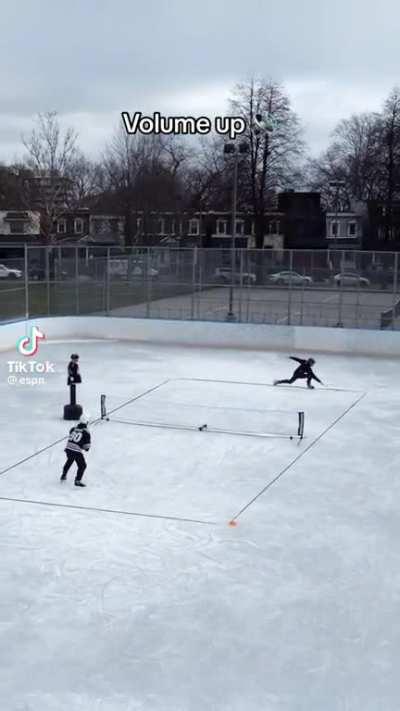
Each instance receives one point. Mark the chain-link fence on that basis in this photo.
(352, 289)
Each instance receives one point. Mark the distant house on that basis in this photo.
(17, 226)
(345, 229)
(383, 232)
(71, 225)
(204, 229)
(106, 228)
(47, 191)
(303, 220)
(80, 226)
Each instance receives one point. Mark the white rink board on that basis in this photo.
(208, 334)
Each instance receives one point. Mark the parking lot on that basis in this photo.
(326, 306)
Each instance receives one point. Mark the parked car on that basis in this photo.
(6, 273)
(290, 277)
(139, 269)
(120, 268)
(351, 279)
(224, 275)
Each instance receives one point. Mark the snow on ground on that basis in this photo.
(293, 609)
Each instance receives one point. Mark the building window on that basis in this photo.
(17, 227)
(160, 227)
(352, 229)
(193, 227)
(172, 227)
(239, 227)
(334, 229)
(61, 227)
(274, 227)
(78, 226)
(221, 227)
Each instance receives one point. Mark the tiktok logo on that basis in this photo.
(29, 345)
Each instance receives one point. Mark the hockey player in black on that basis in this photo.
(304, 370)
(73, 370)
(78, 443)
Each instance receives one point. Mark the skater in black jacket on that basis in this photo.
(304, 370)
(78, 443)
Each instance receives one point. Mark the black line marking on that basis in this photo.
(101, 510)
(62, 439)
(32, 456)
(266, 385)
(296, 459)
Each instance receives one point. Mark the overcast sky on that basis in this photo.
(91, 59)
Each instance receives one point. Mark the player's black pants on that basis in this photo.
(80, 461)
(295, 377)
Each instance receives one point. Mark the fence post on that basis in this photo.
(147, 282)
(108, 282)
(241, 286)
(394, 309)
(340, 310)
(76, 281)
(194, 261)
(302, 304)
(47, 277)
(26, 281)
(290, 288)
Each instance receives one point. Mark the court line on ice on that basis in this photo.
(62, 439)
(296, 459)
(265, 385)
(98, 509)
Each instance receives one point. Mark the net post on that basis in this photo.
(300, 429)
(103, 410)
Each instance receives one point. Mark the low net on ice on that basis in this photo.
(171, 414)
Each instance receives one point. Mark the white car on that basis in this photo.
(351, 279)
(139, 269)
(290, 278)
(6, 273)
(120, 268)
(224, 274)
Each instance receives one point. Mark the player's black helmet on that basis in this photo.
(311, 361)
(74, 356)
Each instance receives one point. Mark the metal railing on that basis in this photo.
(298, 287)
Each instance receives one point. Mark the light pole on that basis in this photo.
(260, 124)
(337, 184)
(230, 148)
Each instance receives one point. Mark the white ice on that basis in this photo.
(171, 609)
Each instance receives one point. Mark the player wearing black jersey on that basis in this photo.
(78, 442)
(304, 370)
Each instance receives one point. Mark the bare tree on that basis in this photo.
(390, 163)
(354, 158)
(273, 159)
(143, 173)
(51, 152)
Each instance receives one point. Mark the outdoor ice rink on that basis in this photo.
(135, 594)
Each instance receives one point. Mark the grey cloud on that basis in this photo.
(101, 57)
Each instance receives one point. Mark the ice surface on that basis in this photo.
(294, 609)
